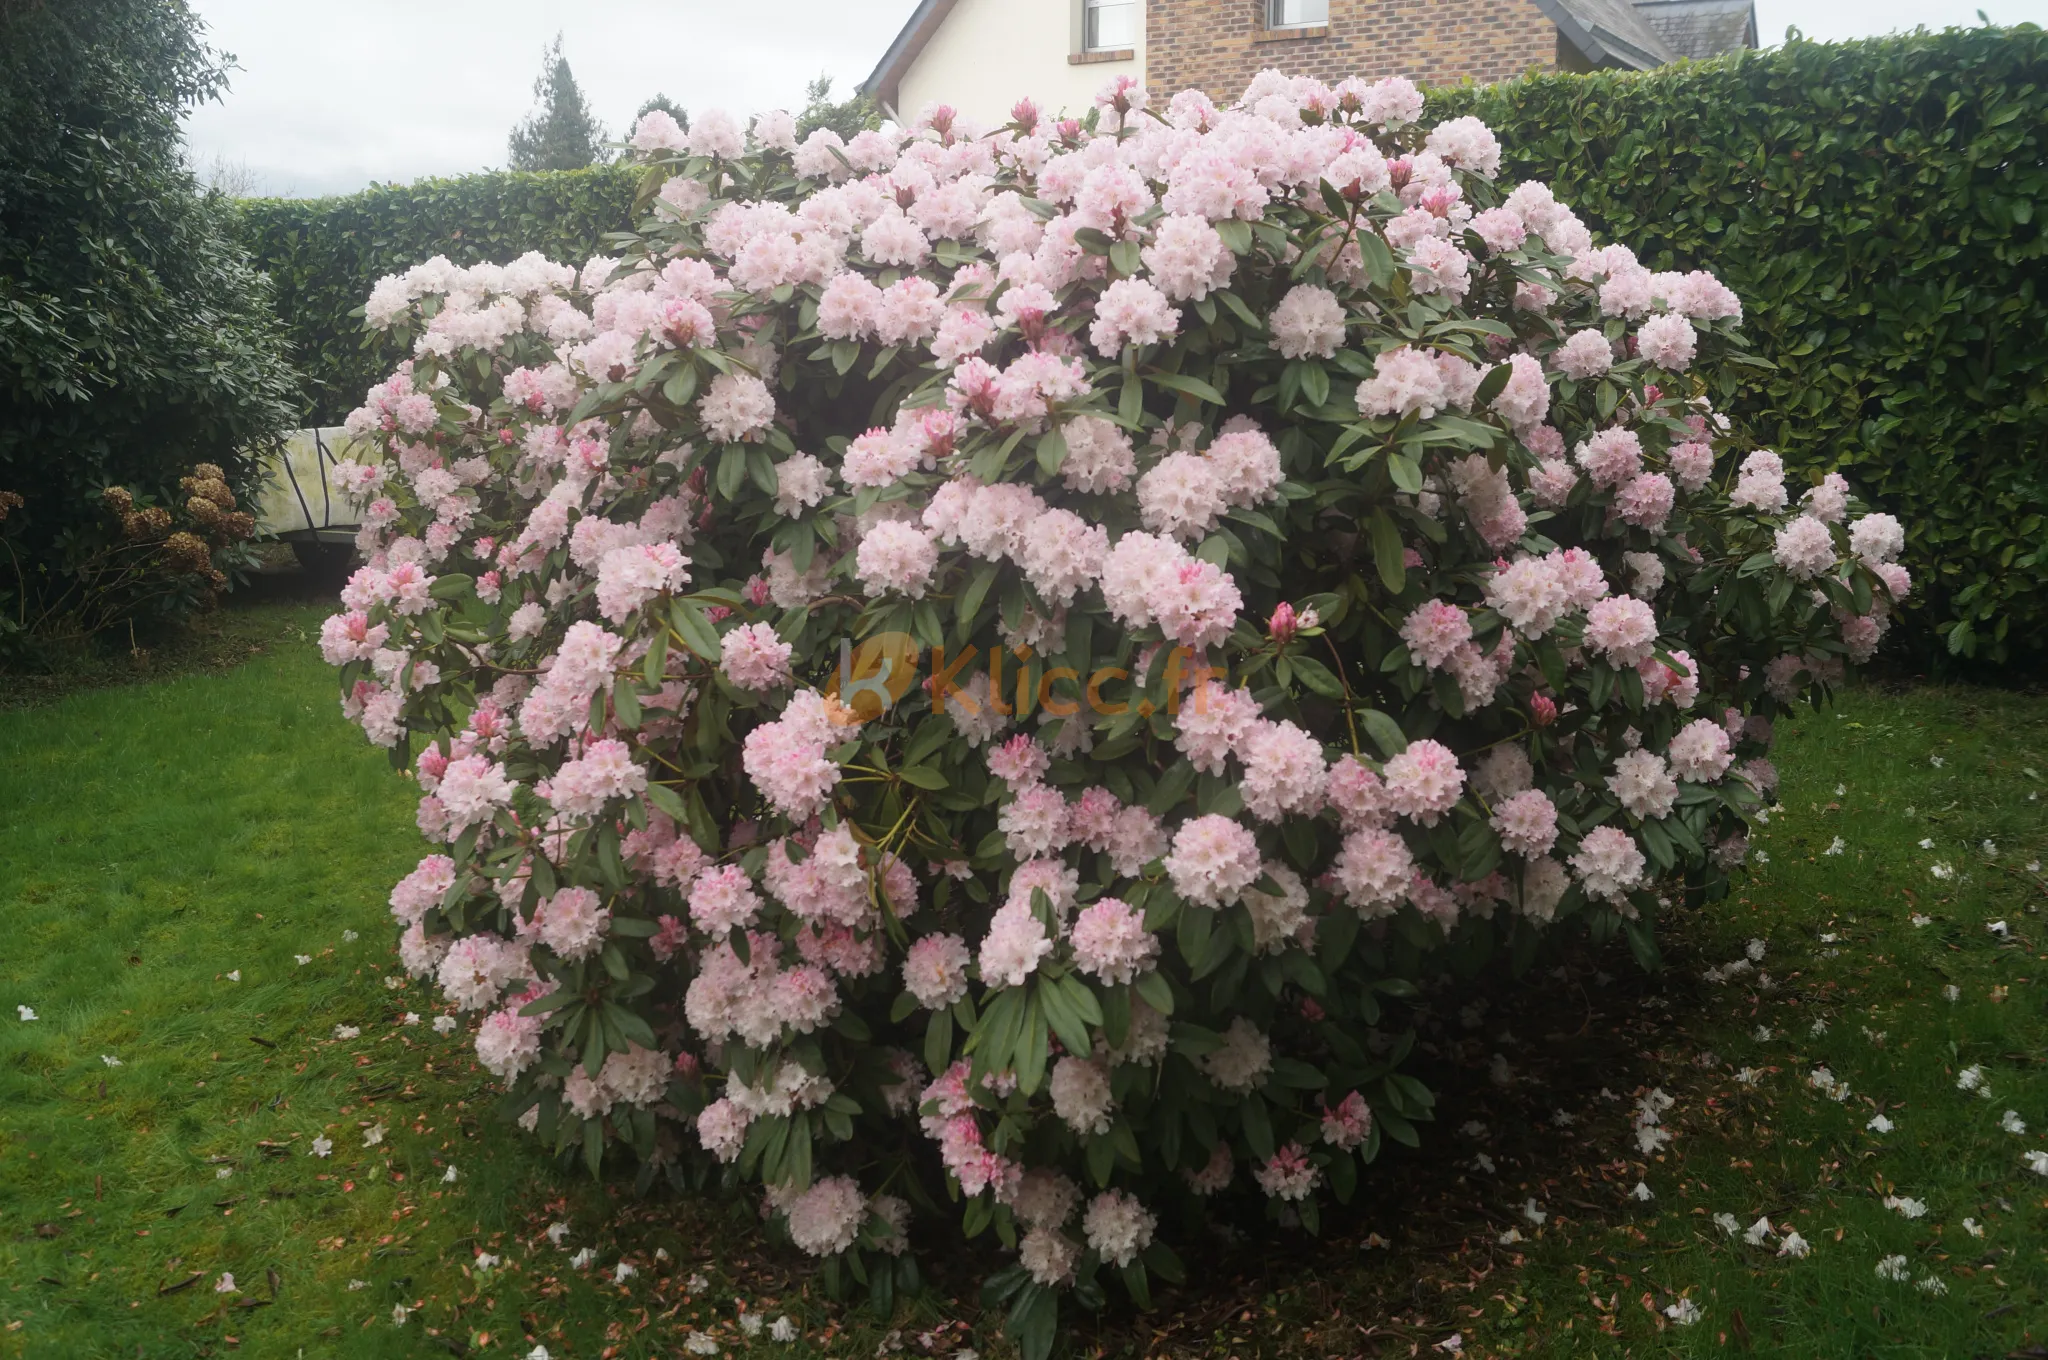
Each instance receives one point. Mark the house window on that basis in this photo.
(1109, 25)
(1297, 13)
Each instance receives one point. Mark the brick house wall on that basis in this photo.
(1218, 45)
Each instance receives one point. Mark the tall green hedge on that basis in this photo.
(1879, 207)
(323, 254)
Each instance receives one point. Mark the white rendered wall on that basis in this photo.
(990, 53)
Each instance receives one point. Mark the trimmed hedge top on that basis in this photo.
(325, 253)
(1877, 207)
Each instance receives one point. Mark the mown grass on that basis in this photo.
(162, 837)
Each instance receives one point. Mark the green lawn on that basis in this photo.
(163, 838)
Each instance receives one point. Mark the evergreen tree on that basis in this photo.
(846, 117)
(562, 134)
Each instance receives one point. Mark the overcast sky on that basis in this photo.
(331, 97)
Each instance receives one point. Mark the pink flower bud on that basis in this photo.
(1024, 114)
(1283, 625)
(1399, 171)
(713, 613)
(757, 591)
(1542, 710)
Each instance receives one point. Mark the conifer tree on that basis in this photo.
(562, 133)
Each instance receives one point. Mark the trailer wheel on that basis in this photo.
(325, 561)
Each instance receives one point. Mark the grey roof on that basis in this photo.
(1608, 33)
(1701, 28)
(916, 32)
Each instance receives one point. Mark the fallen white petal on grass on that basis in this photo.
(1998, 928)
(1728, 1223)
(783, 1330)
(1951, 993)
(556, 1232)
(696, 1284)
(302, 959)
(225, 1284)
(27, 1013)
(2037, 1162)
(700, 1344)
(449, 1176)
(354, 1285)
(2012, 1123)
(1825, 1082)
(1920, 921)
(322, 1146)
(399, 1313)
(1892, 1268)
(235, 976)
(1685, 1312)
(750, 1323)
(1749, 1076)
(444, 1024)
(1927, 843)
(1534, 1214)
(348, 937)
(110, 1060)
(539, 1353)
(1757, 1232)
(411, 1018)
(373, 1135)
(583, 1257)
(221, 1173)
(1643, 1193)
(1482, 1162)
(1795, 1246)
(1942, 871)
(1971, 1078)
(1907, 1205)
(1836, 846)
(348, 1032)
(1973, 1227)
(1510, 1237)
(1879, 1124)
(624, 1271)
(1927, 1284)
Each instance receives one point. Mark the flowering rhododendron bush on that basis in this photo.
(971, 673)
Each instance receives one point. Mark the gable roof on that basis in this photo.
(916, 32)
(1608, 33)
(1701, 28)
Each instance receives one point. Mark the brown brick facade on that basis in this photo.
(1219, 45)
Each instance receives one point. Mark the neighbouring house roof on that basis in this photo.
(1608, 33)
(1701, 28)
(917, 31)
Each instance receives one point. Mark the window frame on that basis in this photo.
(1090, 9)
(1275, 24)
